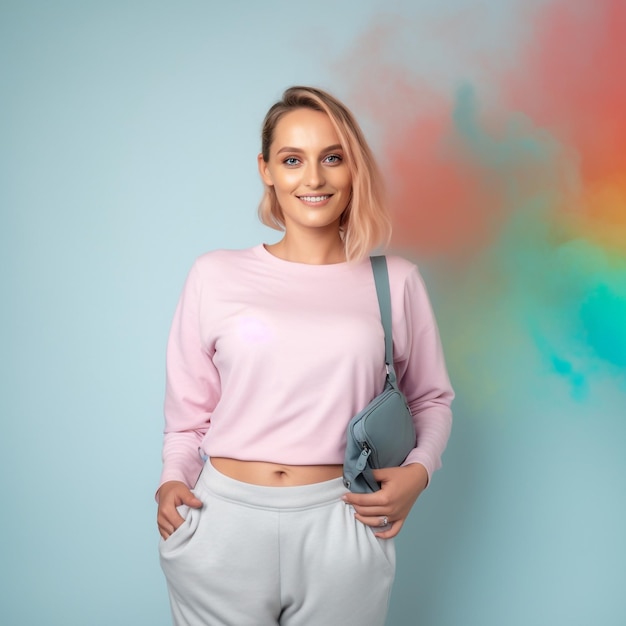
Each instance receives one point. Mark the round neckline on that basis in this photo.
(261, 251)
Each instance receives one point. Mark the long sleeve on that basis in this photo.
(192, 388)
(422, 374)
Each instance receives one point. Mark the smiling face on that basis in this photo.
(307, 171)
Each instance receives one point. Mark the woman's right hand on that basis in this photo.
(171, 495)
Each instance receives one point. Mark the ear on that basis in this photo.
(264, 171)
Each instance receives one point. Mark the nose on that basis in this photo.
(314, 175)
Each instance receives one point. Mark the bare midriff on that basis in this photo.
(275, 474)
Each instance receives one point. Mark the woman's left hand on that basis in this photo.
(399, 489)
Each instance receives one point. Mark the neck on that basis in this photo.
(312, 250)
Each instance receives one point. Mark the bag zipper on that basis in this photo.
(365, 453)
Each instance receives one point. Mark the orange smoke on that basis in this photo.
(439, 199)
(567, 83)
(571, 81)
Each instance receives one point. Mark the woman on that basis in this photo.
(271, 352)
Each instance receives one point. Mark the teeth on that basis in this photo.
(314, 198)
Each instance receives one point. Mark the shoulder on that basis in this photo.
(399, 267)
(223, 259)
(403, 273)
(407, 286)
(223, 265)
(217, 267)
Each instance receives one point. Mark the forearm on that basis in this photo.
(433, 430)
(181, 459)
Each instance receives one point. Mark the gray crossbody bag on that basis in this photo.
(383, 433)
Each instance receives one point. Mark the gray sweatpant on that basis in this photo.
(267, 556)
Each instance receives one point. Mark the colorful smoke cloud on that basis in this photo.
(514, 189)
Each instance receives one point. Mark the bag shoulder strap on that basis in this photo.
(381, 278)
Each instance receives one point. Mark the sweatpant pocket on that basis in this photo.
(179, 540)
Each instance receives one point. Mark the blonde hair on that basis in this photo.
(365, 223)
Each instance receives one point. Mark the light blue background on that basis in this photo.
(128, 137)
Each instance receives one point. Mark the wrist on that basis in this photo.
(419, 474)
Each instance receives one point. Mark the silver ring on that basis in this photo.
(384, 521)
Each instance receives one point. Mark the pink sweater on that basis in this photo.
(268, 360)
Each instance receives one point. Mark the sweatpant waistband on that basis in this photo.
(279, 498)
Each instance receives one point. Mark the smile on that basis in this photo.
(314, 198)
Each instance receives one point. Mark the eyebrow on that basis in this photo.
(335, 147)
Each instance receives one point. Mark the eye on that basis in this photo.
(333, 159)
(291, 161)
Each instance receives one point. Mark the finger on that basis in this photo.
(372, 511)
(165, 530)
(392, 531)
(167, 527)
(364, 499)
(375, 521)
(163, 533)
(191, 500)
(169, 520)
